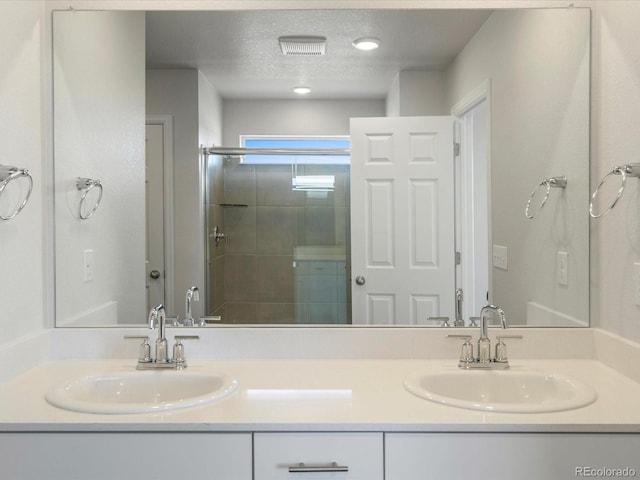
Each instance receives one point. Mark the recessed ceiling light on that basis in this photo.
(301, 90)
(366, 43)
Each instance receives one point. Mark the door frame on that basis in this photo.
(465, 271)
(167, 123)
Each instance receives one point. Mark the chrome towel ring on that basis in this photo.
(7, 174)
(86, 185)
(549, 183)
(629, 170)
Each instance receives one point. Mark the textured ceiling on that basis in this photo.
(239, 51)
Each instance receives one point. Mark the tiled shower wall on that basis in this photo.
(252, 278)
(214, 256)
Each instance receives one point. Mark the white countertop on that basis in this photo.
(286, 395)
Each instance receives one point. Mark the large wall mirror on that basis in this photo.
(445, 169)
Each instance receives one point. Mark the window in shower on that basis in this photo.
(287, 256)
(298, 143)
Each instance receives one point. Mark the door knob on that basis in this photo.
(360, 280)
(155, 274)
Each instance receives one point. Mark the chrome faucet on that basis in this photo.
(484, 344)
(157, 319)
(192, 295)
(484, 360)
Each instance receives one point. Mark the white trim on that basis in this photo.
(465, 272)
(473, 98)
(169, 245)
(223, 5)
(457, 225)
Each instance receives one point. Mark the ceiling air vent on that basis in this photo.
(308, 46)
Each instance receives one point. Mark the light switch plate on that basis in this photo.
(500, 259)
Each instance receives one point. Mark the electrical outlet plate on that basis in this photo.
(562, 267)
(87, 265)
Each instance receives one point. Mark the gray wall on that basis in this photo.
(417, 93)
(294, 117)
(616, 107)
(99, 117)
(22, 254)
(539, 125)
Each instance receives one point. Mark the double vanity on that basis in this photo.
(354, 416)
(522, 390)
(492, 389)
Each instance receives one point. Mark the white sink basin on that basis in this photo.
(140, 392)
(521, 391)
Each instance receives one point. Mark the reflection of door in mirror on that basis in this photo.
(402, 219)
(158, 167)
(155, 215)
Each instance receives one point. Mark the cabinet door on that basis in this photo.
(509, 456)
(360, 454)
(125, 456)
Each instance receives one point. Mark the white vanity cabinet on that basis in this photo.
(344, 456)
(510, 456)
(125, 456)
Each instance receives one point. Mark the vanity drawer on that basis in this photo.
(361, 455)
(509, 456)
(125, 456)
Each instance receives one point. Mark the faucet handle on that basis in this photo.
(144, 354)
(178, 350)
(501, 348)
(466, 353)
(444, 320)
(473, 321)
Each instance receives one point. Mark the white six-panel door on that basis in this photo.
(402, 220)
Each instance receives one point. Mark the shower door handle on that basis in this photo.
(218, 235)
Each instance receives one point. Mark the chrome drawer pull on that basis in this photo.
(332, 467)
